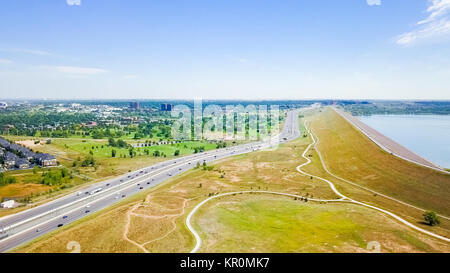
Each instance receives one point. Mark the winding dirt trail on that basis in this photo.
(131, 212)
(342, 198)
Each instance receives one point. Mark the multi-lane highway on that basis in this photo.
(24, 226)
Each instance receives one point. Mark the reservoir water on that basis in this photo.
(426, 135)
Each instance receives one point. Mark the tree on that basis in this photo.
(177, 153)
(113, 153)
(5, 179)
(431, 218)
(121, 144)
(111, 142)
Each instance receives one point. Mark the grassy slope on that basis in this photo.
(69, 150)
(274, 170)
(257, 223)
(349, 154)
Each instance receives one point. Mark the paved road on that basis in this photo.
(386, 143)
(341, 197)
(24, 226)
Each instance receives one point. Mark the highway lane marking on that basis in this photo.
(240, 149)
(127, 186)
(130, 181)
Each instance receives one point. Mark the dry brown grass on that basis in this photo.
(153, 220)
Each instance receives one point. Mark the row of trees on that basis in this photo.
(56, 177)
(120, 143)
(6, 179)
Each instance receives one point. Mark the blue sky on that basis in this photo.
(360, 49)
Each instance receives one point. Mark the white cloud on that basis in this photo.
(373, 2)
(78, 71)
(5, 61)
(436, 25)
(73, 2)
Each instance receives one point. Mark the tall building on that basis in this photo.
(135, 105)
(166, 107)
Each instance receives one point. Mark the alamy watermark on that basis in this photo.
(226, 123)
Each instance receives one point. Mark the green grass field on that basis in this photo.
(243, 223)
(70, 150)
(351, 155)
(265, 223)
(100, 148)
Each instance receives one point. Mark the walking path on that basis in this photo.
(388, 144)
(342, 198)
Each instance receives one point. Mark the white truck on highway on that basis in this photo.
(95, 191)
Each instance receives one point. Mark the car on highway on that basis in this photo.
(141, 188)
(60, 225)
(87, 211)
(65, 217)
(123, 195)
(107, 184)
(148, 183)
(79, 193)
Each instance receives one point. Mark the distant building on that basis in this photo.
(9, 160)
(7, 127)
(3, 105)
(22, 163)
(166, 107)
(7, 204)
(90, 125)
(135, 105)
(45, 160)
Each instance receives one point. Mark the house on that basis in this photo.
(24, 152)
(22, 163)
(45, 160)
(7, 204)
(9, 160)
